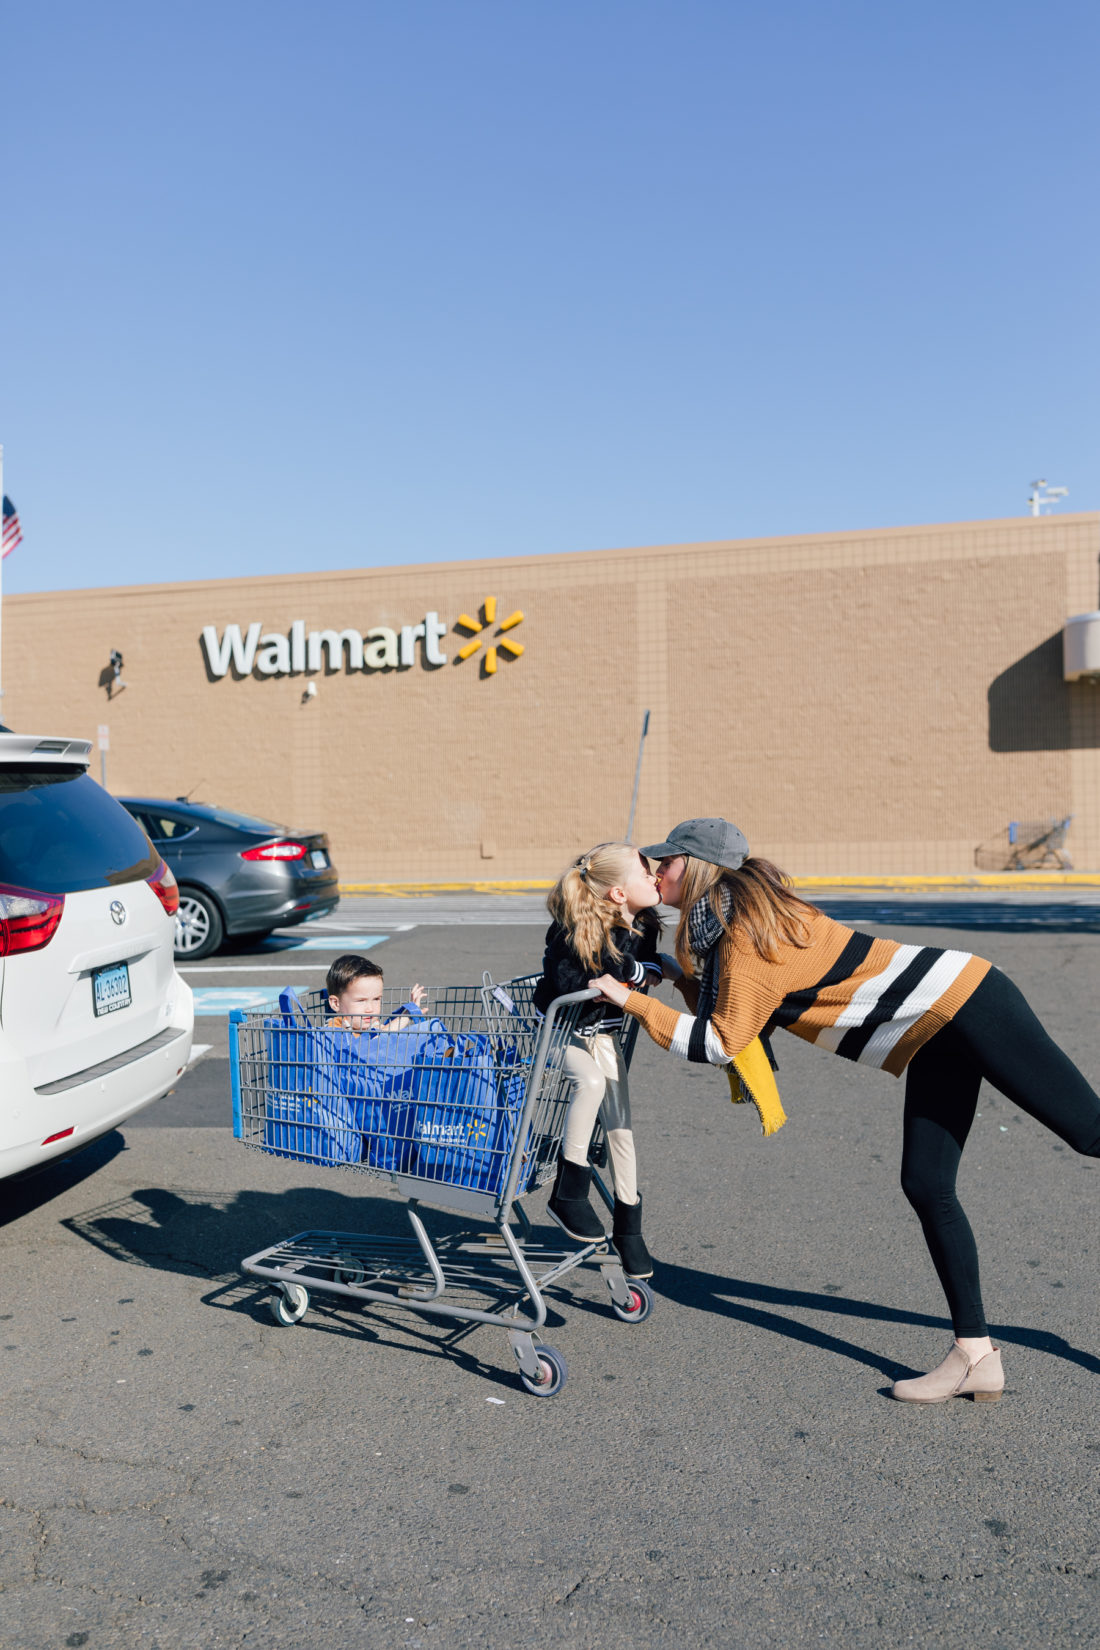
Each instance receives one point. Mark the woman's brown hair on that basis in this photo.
(764, 911)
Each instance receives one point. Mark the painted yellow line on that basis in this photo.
(990, 879)
(413, 890)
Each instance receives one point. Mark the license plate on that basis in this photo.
(318, 859)
(111, 988)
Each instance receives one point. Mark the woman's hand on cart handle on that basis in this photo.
(614, 990)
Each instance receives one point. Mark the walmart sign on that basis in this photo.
(252, 650)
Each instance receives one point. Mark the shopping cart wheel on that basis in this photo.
(552, 1376)
(641, 1302)
(289, 1304)
(346, 1269)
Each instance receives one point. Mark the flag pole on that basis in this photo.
(1, 594)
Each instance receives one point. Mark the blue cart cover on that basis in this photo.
(415, 1100)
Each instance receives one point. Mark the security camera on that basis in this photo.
(115, 684)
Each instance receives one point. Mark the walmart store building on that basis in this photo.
(860, 703)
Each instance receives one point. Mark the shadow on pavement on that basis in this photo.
(730, 1297)
(1001, 916)
(206, 1237)
(27, 1192)
(370, 1322)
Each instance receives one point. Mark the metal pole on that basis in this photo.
(103, 769)
(637, 776)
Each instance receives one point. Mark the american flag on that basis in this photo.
(13, 533)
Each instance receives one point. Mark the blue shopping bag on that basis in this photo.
(373, 1071)
(511, 1093)
(307, 1115)
(466, 1115)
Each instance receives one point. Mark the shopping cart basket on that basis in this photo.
(461, 1107)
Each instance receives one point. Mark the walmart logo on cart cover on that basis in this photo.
(249, 649)
(474, 1133)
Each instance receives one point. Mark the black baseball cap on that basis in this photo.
(714, 840)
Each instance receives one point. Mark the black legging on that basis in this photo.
(997, 1036)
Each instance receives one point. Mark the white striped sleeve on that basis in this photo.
(681, 1040)
(716, 1054)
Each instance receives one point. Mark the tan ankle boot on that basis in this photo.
(956, 1377)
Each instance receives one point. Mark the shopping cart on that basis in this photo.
(462, 1109)
(1029, 845)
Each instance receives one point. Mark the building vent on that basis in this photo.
(1081, 648)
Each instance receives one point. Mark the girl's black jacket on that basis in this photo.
(563, 971)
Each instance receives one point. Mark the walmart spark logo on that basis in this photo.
(500, 640)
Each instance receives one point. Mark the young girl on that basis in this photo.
(755, 956)
(604, 923)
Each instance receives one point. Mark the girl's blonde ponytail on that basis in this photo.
(579, 900)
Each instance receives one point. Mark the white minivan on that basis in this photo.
(95, 1023)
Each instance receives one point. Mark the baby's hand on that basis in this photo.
(418, 995)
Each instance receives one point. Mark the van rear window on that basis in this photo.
(60, 833)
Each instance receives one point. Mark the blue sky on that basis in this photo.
(357, 284)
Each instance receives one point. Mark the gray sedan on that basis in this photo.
(237, 875)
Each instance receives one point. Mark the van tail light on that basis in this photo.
(28, 920)
(166, 888)
(276, 850)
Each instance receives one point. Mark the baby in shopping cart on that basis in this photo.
(354, 985)
(604, 923)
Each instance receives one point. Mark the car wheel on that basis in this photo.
(199, 927)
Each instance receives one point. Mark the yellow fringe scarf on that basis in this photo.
(752, 1079)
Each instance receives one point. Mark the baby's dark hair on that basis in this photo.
(347, 968)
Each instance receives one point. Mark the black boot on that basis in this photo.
(569, 1204)
(626, 1235)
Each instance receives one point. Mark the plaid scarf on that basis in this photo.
(704, 932)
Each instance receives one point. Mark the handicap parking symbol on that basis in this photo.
(212, 1000)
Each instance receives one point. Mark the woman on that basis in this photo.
(755, 956)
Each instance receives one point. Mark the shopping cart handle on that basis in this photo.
(589, 992)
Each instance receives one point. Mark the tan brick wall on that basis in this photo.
(859, 703)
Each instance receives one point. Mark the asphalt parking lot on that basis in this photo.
(179, 1471)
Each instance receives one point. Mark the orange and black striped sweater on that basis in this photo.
(871, 1000)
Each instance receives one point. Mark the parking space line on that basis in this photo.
(249, 968)
(289, 942)
(342, 927)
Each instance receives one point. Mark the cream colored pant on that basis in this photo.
(595, 1068)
